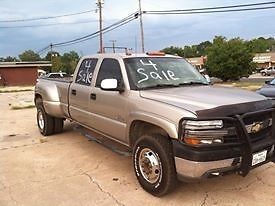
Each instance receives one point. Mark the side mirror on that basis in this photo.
(207, 78)
(267, 82)
(111, 85)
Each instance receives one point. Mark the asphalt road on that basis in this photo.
(68, 169)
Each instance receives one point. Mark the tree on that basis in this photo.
(174, 51)
(202, 47)
(50, 55)
(65, 63)
(9, 59)
(56, 64)
(29, 55)
(69, 61)
(189, 51)
(229, 59)
(261, 45)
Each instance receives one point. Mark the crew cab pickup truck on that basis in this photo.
(176, 124)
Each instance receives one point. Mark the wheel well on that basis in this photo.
(138, 128)
(37, 96)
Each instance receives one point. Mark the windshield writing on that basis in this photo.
(155, 71)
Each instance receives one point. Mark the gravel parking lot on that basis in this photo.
(68, 169)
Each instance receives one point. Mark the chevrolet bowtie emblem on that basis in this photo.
(256, 127)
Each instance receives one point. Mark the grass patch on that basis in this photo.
(252, 86)
(14, 90)
(22, 107)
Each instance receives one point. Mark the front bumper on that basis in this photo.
(198, 163)
(189, 171)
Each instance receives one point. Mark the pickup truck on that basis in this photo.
(176, 125)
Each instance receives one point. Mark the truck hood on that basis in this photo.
(209, 101)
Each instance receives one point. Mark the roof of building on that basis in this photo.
(25, 64)
(264, 57)
(196, 60)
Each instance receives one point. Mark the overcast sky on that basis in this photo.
(160, 31)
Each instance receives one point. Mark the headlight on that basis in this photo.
(205, 132)
(212, 124)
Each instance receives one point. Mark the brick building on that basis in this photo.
(264, 60)
(198, 62)
(20, 73)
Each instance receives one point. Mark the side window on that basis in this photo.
(85, 72)
(109, 69)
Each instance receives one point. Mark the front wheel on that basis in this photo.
(154, 164)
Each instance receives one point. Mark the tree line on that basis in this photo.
(259, 45)
(65, 63)
(227, 59)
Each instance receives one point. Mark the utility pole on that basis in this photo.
(99, 5)
(141, 27)
(113, 45)
(51, 45)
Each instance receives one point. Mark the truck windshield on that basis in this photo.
(159, 72)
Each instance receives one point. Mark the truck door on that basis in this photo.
(109, 107)
(79, 94)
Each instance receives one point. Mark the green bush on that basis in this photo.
(229, 59)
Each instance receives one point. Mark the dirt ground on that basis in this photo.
(68, 169)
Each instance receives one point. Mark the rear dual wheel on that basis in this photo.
(47, 124)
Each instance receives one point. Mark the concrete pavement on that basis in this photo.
(68, 169)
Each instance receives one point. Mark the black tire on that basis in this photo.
(58, 125)
(263, 74)
(157, 148)
(47, 127)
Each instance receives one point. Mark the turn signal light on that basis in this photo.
(156, 53)
(192, 140)
(203, 141)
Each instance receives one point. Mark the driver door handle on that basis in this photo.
(93, 96)
(73, 92)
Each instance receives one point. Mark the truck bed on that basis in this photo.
(61, 79)
(56, 91)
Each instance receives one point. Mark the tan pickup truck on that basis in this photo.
(174, 122)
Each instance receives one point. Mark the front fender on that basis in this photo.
(167, 125)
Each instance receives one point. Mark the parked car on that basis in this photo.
(56, 75)
(268, 89)
(268, 71)
(174, 122)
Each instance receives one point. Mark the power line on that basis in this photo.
(109, 28)
(106, 28)
(95, 34)
(216, 7)
(43, 49)
(46, 25)
(209, 12)
(46, 17)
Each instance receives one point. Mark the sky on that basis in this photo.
(160, 31)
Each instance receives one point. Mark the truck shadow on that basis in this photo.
(113, 169)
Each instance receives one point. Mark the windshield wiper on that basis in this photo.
(192, 83)
(161, 86)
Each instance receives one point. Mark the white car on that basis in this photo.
(56, 75)
(268, 71)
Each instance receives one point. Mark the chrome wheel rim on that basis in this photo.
(41, 122)
(150, 165)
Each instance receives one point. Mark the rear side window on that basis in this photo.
(109, 69)
(54, 75)
(85, 72)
